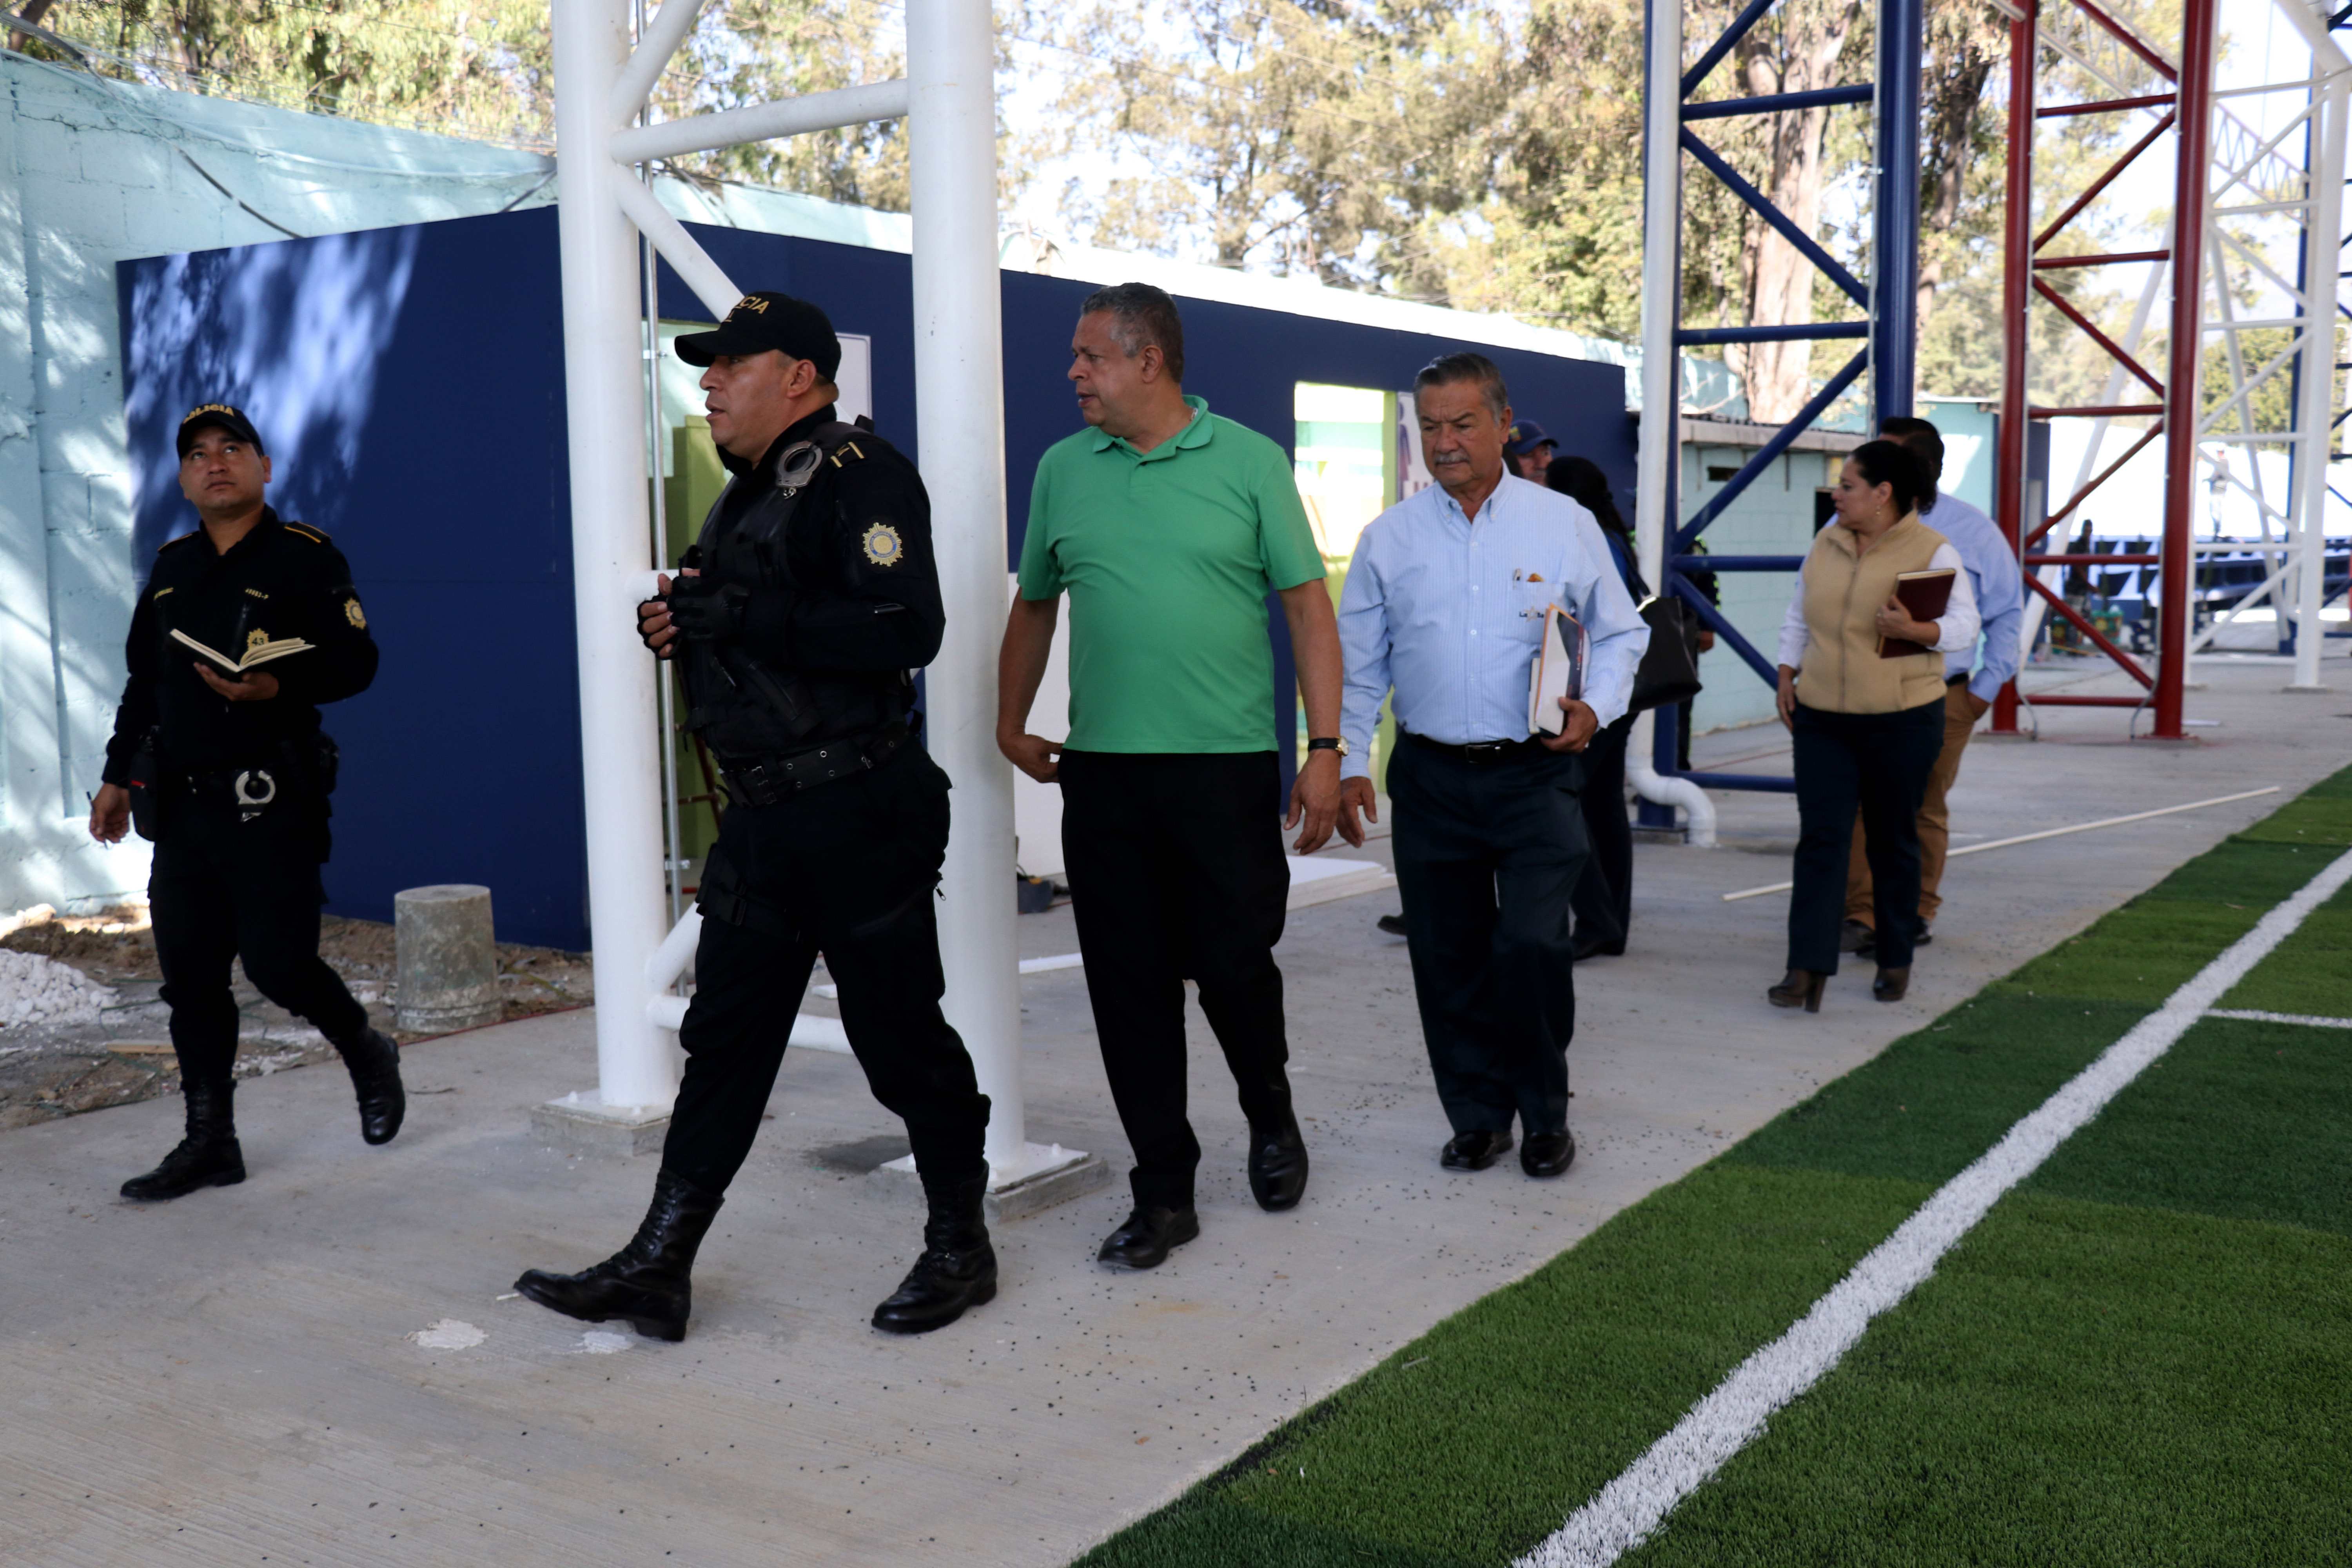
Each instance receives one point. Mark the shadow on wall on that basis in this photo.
(292, 333)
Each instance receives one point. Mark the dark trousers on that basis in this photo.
(222, 889)
(1604, 894)
(1176, 871)
(847, 870)
(1878, 763)
(1488, 856)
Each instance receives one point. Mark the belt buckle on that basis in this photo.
(1486, 751)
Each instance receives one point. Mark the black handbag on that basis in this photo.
(1669, 671)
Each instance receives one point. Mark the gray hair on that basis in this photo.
(1141, 315)
(1449, 369)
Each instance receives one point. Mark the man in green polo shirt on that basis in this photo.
(1167, 527)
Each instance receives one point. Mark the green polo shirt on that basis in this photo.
(1168, 556)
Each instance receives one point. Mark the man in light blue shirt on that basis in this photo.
(1444, 606)
(1992, 563)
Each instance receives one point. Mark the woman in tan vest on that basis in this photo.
(1867, 729)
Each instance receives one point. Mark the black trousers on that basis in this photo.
(1176, 871)
(1879, 764)
(1604, 894)
(222, 889)
(846, 868)
(1488, 856)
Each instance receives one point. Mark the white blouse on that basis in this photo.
(1957, 629)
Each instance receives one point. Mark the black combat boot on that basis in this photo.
(646, 1282)
(957, 1269)
(374, 1063)
(207, 1157)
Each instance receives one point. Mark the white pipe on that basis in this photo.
(658, 43)
(2322, 232)
(676, 951)
(788, 117)
(687, 259)
(1661, 185)
(606, 423)
(949, 98)
(1650, 785)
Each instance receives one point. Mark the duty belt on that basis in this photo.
(766, 780)
(1477, 751)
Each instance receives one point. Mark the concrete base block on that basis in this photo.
(580, 1126)
(1077, 1175)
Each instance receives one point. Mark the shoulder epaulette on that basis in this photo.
(306, 531)
(852, 448)
(183, 539)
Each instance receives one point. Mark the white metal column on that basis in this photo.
(636, 1065)
(2314, 429)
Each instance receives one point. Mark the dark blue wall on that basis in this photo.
(410, 385)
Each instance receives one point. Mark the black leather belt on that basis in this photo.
(767, 780)
(1478, 752)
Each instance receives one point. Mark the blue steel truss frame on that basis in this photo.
(1889, 335)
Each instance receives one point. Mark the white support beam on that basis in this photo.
(762, 122)
(663, 36)
(690, 260)
(2323, 240)
(604, 398)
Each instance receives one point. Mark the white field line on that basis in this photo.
(2045, 833)
(2315, 1021)
(1623, 1513)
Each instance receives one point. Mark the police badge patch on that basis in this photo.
(883, 545)
(353, 614)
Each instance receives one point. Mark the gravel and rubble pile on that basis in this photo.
(37, 990)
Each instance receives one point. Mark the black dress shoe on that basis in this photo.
(1547, 1153)
(1856, 936)
(1148, 1237)
(207, 1157)
(1891, 983)
(648, 1282)
(1277, 1165)
(1392, 924)
(1580, 950)
(1475, 1151)
(374, 1063)
(956, 1272)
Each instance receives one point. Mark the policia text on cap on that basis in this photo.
(230, 778)
(795, 620)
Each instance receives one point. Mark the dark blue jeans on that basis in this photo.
(1879, 764)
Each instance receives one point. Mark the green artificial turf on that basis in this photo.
(2239, 1120)
(2078, 1384)
(1474, 1442)
(2310, 973)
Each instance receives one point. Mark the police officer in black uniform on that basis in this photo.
(226, 770)
(799, 613)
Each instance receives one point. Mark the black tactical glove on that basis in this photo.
(704, 611)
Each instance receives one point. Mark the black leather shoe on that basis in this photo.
(1547, 1153)
(648, 1282)
(1578, 950)
(1891, 983)
(1475, 1151)
(374, 1063)
(1148, 1237)
(1277, 1165)
(1392, 924)
(1856, 936)
(956, 1272)
(207, 1157)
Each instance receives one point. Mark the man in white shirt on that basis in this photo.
(1444, 604)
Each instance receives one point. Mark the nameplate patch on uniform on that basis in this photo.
(883, 545)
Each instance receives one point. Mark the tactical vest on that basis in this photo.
(744, 706)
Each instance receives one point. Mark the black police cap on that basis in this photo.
(222, 416)
(764, 320)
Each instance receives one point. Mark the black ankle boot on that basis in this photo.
(374, 1063)
(207, 1157)
(646, 1282)
(957, 1271)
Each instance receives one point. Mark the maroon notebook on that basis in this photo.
(1926, 596)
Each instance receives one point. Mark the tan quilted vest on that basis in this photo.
(1843, 672)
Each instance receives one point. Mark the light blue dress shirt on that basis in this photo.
(1449, 612)
(1992, 563)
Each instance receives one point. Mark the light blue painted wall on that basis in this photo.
(93, 172)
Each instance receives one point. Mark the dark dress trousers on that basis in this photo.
(1176, 873)
(1604, 894)
(1487, 858)
(1878, 763)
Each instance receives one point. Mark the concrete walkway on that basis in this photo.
(234, 1378)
